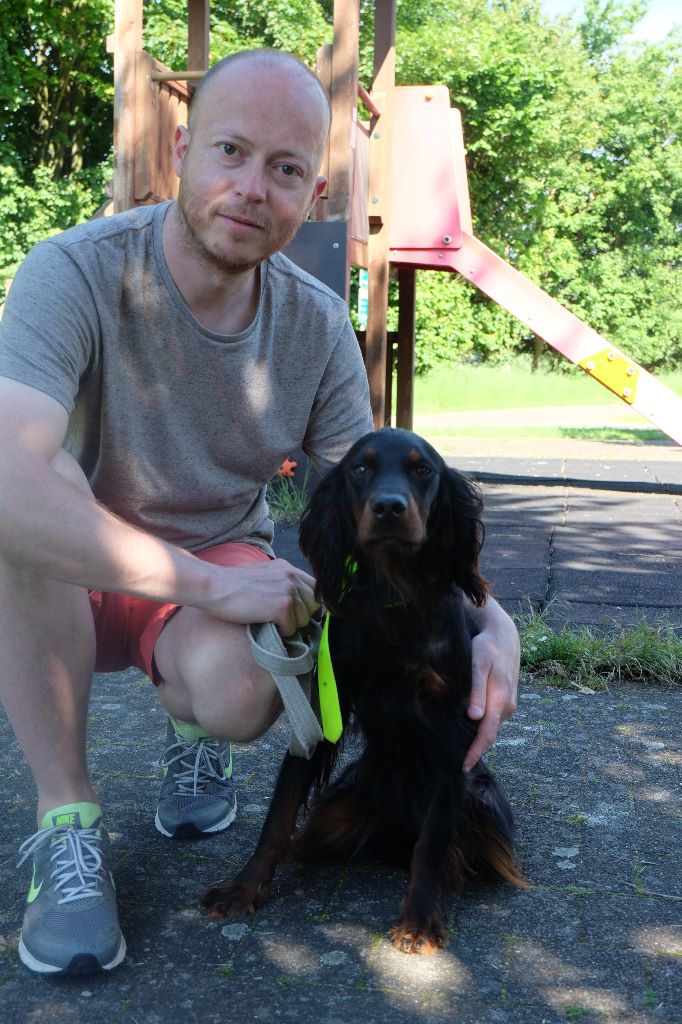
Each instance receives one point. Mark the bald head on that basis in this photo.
(249, 160)
(289, 69)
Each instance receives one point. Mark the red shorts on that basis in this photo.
(127, 628)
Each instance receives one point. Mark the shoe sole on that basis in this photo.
(190, 831)
(82, 963)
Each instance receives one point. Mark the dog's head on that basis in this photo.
(392, 504)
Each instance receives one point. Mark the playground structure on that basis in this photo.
(378, 210)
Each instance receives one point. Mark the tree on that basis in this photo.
(55, 139)
(55, 84)
(300, 26)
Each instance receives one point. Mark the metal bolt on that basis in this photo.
(447, 239)
(627, 392)
(375, 199)
(631, 371)
(611, 356)
(590, 365)
(377, 135)
(335, 245)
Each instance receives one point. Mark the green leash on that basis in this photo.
(330, 710)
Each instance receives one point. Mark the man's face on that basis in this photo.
(248, 164)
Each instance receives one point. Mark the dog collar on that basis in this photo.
(330, 710)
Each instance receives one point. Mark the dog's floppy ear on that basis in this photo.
(326, 536)
(455, 532)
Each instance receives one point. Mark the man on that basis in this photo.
(155, 369)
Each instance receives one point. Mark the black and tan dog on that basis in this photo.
(393, 537)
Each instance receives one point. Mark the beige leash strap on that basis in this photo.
(291, 662)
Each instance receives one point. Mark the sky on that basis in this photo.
(661, 17)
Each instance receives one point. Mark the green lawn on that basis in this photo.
(622, 435)
(461, 388)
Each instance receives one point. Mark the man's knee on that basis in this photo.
(232, 707)
(251, 711)
(210, 677)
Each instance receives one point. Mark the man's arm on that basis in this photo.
(496, 655)
(50, 526)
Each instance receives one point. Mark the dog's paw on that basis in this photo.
(234, 899)
(426, 937)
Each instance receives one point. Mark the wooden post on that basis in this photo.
(344, 92)
(126, 44)
(198, 24)
(323, 69)
(407, 304)
(380, 142)
(391, 342)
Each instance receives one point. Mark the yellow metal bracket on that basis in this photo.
(612, 369)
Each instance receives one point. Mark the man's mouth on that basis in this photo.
(243, 222)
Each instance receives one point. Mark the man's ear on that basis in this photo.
(320, 186)
(180, 147)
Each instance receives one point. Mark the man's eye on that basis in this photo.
(229, 149)
(289, 171)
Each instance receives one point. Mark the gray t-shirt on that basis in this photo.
(179, 429)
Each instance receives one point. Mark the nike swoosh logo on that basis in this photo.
(34, 891)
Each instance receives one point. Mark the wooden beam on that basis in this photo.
(388, 377)
(146, 163)
(198, 28)
(407, 308)
(178, 76)
(126, 44)
(380, 141)
(323, 69)
(344, 92)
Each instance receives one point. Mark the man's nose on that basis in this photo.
(251, 183)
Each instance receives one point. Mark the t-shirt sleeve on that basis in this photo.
(49, 325)
(341, 412)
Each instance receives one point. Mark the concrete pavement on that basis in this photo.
(595, 781)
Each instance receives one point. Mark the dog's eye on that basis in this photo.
(423, 470)
(359, 470)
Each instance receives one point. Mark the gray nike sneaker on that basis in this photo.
(197, 794)
(71, 921)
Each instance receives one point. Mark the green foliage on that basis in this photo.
(299, 26)
(55, 84)
(606, 22)
(33, 210)
(56, 94)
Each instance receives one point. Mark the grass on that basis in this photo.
(287, 498)
(466, 387)
(629, 435)
(633, 435)
(582, 658)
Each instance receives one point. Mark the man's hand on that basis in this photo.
(495, 664)
(264, 592)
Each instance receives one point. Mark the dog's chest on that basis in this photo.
(397, 670)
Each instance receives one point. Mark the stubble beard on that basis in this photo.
(218, 259)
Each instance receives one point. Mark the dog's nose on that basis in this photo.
(388, 506)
